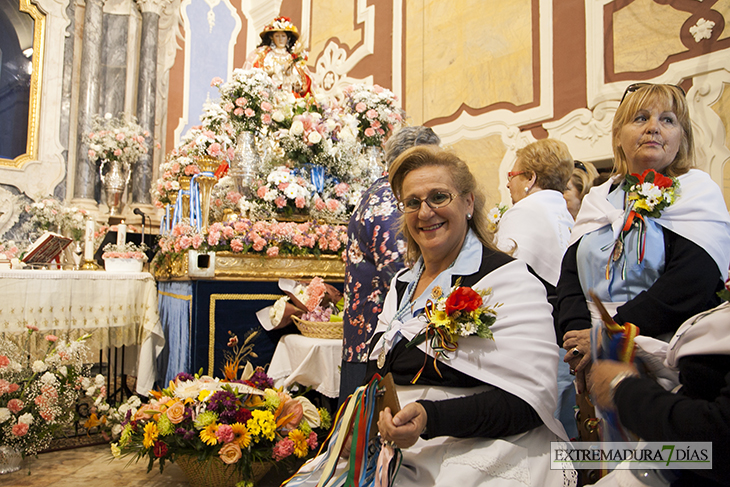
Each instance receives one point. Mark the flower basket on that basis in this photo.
(123, 265)
(215, 473)
(319, 329)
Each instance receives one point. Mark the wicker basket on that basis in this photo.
(215, 473)
(319, 329)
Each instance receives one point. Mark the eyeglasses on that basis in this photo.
(513, 174)
(581, 166)
(636, 86)
(434, 201)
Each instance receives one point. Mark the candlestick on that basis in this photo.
(89, 264)
(121, 233)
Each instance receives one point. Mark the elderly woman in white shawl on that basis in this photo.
(482, 413)
(653, 242)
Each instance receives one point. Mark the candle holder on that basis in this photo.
(90, 265)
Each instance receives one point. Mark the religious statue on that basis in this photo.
(282, 57)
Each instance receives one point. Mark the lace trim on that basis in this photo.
(492, 466)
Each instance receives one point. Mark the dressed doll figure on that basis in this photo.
(281, 56)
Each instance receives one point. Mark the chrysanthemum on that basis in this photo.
(204, 419)
(208, 435)
(150, 434)
(301, 447)
(165, 425)
(242, 436)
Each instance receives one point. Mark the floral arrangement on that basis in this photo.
(38, 397)
(177, 166)
(247, 98)
(200, 142)
(316, 300)
(287, 190)
(266, 238)
(9, 250)
(225, 197)
(461, 313)
(495, 215)
(73, 220)
(104, 229)
(239, 419)
(337, 200)
(45, 214)
(376, 111)
(129, 250)
(116, 139)
(650, 192)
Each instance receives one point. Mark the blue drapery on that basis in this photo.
(175, 300)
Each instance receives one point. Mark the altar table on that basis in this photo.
(116, 308)
(311, 362)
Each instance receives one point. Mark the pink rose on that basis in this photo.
(214, 149)
(31, 327)
(371, 114)
(282, 186)
(319, 204)
(261, 192)
(191, 170)
(369, 132)
(299, 201)
(238, 112)
(241, 102)
(266, 106)
(4, 361)
(51, 338)
(375, 124)
(20, 429)
(117, 152)
(216, 81)
(360, 107)
(280, 202)
(272, 251)
(228, 106)
(249, 112)
(266, 118)
(234, 197)
(377, 88)
(341, 189)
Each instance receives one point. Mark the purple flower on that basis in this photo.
(186, 434)
(183, 376)
(261, 380)
(222, 401)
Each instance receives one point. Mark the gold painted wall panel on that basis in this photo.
(645, 34)
(722, 108)
(723, 6)
(483, 157)
(477, 59)
(333, 19)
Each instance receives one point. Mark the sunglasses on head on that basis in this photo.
(580, 165)
(636, 86)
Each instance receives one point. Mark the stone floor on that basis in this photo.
(94, 466)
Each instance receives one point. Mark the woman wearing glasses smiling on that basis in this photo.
(492, 399)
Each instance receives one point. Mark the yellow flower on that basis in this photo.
(208, 434)
(243, 437)
(203, 394)
(301, 448)
(116, 451)
(150, 434)
(261, 425)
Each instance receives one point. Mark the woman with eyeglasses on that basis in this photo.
(580, 183)
(537, 230)
(486, 405)
(655, 250)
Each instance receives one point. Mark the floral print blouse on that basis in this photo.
(375, 250)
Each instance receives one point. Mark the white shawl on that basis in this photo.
(521, 360)
(707, 333)
(699, 215)
(540, 225)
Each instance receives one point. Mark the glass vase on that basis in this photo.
(10, 459)
(375, 166)
(245, 162)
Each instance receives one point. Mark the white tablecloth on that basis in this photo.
(116, 308)
(307, 361)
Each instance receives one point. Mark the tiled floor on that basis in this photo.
(94, 466)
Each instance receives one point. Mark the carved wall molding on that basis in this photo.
(587, 133)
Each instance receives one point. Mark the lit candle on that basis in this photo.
(121, 233)
(89, 241)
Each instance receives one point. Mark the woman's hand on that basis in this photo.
(405, 427)
(600, 377)
(578, 345)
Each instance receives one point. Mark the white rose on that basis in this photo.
(26, 418)
(314, 137)
(134, 401)
(4, 415)
(63, 370)
(99, 380)
(48, 378)
(39, 366)
(117, 430)
(297, 128)
(278, 116)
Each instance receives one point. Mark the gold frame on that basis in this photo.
(36, 78)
